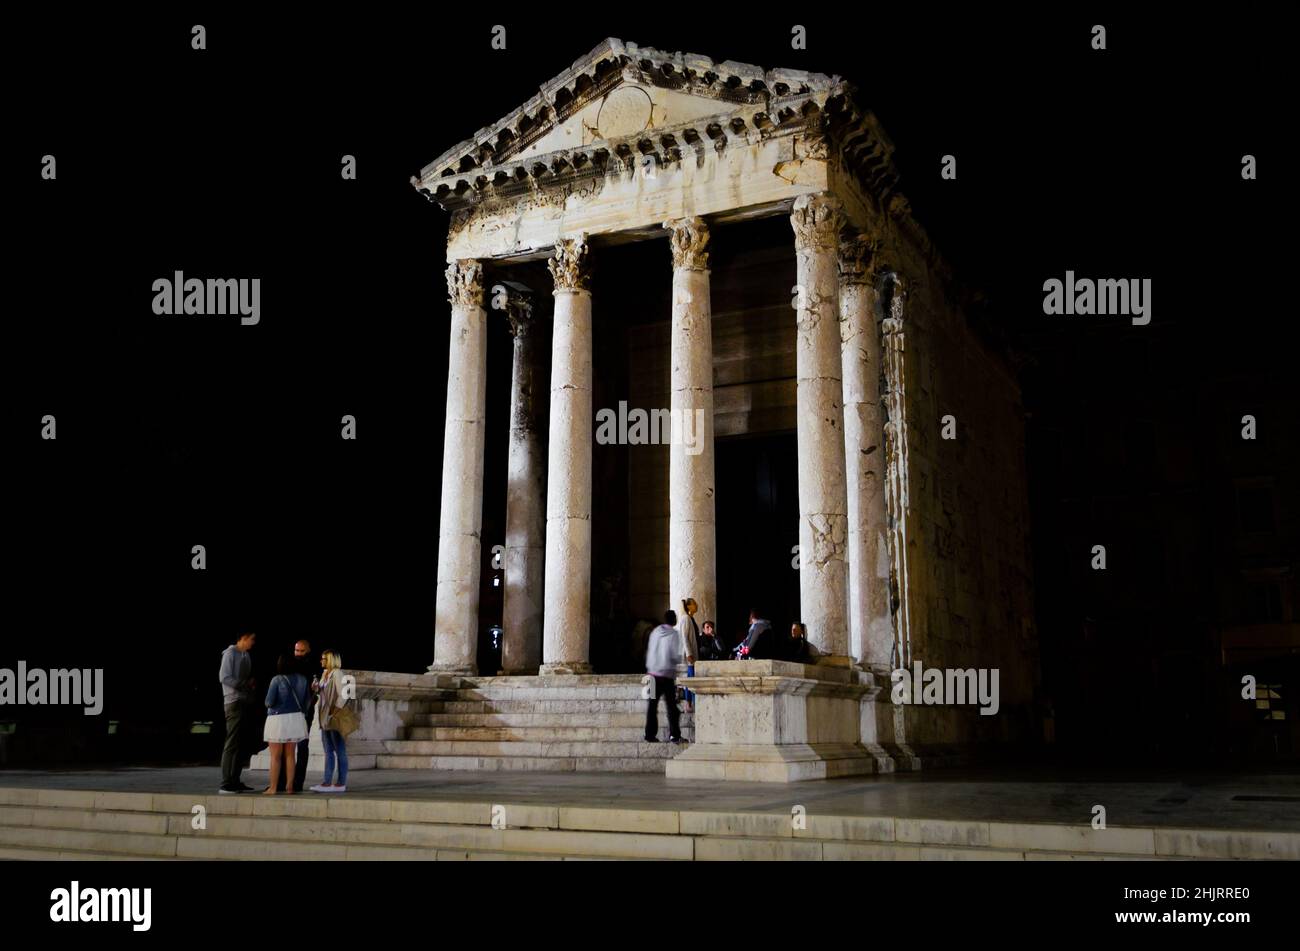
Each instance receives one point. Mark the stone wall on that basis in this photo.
(969, 583)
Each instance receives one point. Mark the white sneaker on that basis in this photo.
(319, 788)
(335, 789)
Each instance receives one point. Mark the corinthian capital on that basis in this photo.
(689, 237)
(569, 267)
(519, 312)
(816, 220)
(857, 260)
(465, 283)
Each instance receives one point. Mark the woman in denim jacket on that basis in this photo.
(286, 724)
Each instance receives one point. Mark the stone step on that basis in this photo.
(59, 832)
(515, 719)
(573, 707)
(530, 720)
(631, 691)
(39, 854)
(88, 840)
(531, 764)
(541, 734)
(635, 749)
(74, 824)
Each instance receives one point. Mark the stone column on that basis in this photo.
(521, 616)
(823, 497)
(692, 561)
(871, 633)
(566, 627)
(895, 348)
(461, 522)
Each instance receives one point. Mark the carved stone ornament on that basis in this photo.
(465, 283)
(857, 259)
(519, 312)
(689, 237)
(816, 220)
(568, 266)
(898, 302)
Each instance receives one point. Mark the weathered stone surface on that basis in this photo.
(525, 543)
(823, 494)
(871, 632)
(567, 617)
(456, 623)
(692, 541)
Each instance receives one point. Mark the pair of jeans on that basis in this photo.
(665, 687)
(232, 752)
(336, 750)
(690, 672)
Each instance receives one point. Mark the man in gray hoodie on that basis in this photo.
(663, 655)
(236, 691)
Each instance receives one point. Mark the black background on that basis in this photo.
(225, 163)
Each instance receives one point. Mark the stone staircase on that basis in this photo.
(39, 824)
(550, 724)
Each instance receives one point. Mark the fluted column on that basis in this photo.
(870, 628)
(823, 497)
(566, 626)
(692, 543)
(461, 521)
(521, 615)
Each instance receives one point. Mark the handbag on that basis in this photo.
(344, 720)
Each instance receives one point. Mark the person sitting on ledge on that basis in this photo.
(711, 646)
(757, 644)
(798, 649)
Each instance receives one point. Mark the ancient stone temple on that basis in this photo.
(727, 252)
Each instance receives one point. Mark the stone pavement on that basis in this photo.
(1263, 802)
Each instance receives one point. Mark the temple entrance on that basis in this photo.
(758, 526)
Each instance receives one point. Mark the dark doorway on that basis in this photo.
(758, 527)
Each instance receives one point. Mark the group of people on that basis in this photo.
(671, 647)
(291, 700)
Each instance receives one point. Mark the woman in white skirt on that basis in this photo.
(286, 724)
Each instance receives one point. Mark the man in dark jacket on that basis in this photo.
(757, 644)
(303, 659)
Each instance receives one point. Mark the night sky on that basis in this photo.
(225, 163)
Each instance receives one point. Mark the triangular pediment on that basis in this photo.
(625, 110)
(616, 91)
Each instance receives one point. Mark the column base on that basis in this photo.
(463, 670)
(760, 763)
(776, 722)
(838, 660)
(564, 669)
